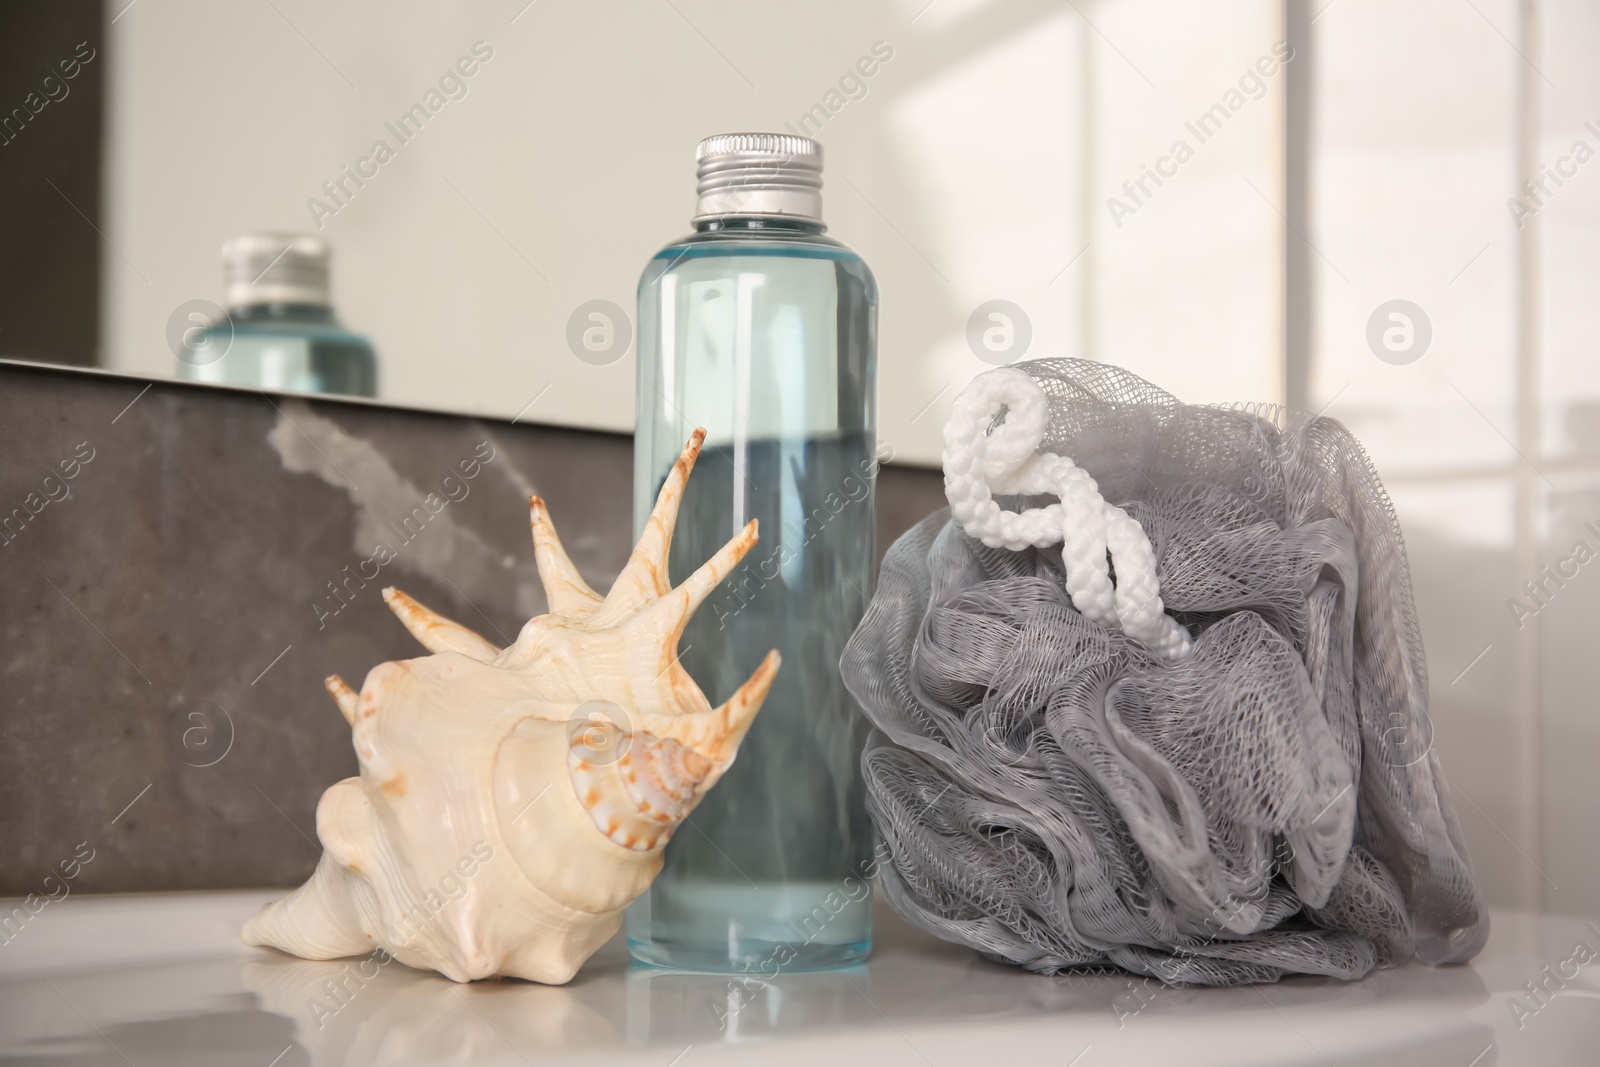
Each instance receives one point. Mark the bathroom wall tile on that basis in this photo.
(168, 612)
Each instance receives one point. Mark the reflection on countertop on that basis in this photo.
(161, 978)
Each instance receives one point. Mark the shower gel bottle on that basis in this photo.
(763, 330)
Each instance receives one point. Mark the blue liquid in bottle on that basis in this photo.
(763, 330)
(294, 348)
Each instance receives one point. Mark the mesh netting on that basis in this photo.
(1054, 795)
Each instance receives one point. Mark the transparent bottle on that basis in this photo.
(279, 331)
(764, 331)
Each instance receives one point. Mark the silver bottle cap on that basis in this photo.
(759, 174)
(276, 268)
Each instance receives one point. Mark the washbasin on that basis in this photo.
(162, 978)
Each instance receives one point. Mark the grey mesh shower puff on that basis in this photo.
(1055, 796)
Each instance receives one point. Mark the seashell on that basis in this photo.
(496, 828)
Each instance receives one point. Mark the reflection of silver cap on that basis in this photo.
(275, 268)
(759, 174)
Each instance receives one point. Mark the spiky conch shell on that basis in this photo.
(493, 832)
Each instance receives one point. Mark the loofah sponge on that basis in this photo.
(1151, 695)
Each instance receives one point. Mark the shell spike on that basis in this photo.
(673, 611)
(739, 710)
(435, 632)
(564, 588)
(347, 698)
(644, 579)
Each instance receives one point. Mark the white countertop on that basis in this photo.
(163, 979)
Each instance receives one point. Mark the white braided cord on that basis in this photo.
(980, 462)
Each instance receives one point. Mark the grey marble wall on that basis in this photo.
(180, 567)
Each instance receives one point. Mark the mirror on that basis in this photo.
(488, 177)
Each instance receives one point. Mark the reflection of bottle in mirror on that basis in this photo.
(283, 332)
(764, 331)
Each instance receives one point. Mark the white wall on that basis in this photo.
(977, 166)
(1487, 442)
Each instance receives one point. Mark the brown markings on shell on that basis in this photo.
(654, 572)
(622, 798)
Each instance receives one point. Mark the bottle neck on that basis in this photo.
(277, 312)
(758, 224)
